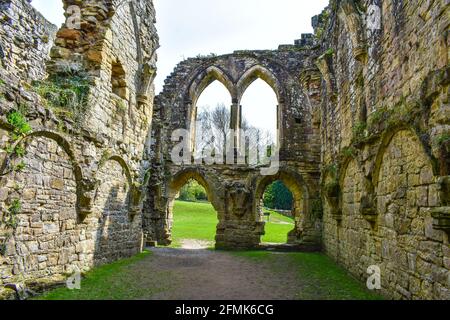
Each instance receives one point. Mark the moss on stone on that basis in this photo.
(332, 189)
(349, 152)
(442, 139)
(359, 132)
(330, 168)
(66, 93)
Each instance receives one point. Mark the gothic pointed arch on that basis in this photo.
(259, 72)
(204, 78)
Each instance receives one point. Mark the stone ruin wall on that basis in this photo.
(234, 188)
(79, 191)
(377, 99)
(385, 127)
(26, 38)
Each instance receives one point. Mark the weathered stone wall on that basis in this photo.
(384, 129)
(235, 192)
(26, 38)
(48, 233)
(366, 100)
(115, 227)
(414, 255)
(71, 186)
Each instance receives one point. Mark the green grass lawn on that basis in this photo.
(318, 276)
(321, 278)
(115, 281)
(193, 220)
(277, 228)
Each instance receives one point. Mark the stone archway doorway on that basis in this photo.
(192, 220)
(277, 212)
(299, 209)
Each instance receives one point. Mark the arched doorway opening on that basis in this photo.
(192, 219)
(212, 121)
(277, 212)
(281, 202)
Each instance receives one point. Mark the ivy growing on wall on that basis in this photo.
(442, 139)
(10, 221)
(14, 147)
(359, 132)
(15, 150)
(331, 168)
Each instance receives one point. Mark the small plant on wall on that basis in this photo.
(14, 148)
(331, 189)
(13, 162)
(359, 132)
(9, 223)
(442, 144)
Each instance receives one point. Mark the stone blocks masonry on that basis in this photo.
(363, 111)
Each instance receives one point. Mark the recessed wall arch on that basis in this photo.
(122, 163)
(386, 139)
(63, 143)
(45, 189)
(342, 173)
(115, 209)
(134, 192)
(404, 180)
(84, 185)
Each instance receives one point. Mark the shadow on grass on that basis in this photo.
(319, 276)
(120, 280)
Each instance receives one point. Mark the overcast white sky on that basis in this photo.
(190, 27)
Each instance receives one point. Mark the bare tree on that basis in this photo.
(213, 129)
(258, 143)
(213, 133)
(221, 118)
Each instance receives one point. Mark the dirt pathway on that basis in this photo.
(207, 275)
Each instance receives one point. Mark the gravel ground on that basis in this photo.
(215, 275)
